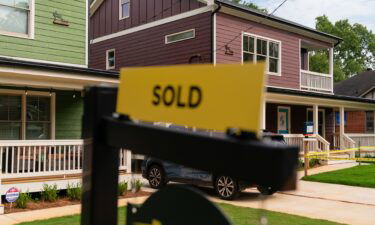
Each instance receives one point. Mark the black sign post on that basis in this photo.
(237, 154)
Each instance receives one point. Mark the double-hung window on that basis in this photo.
(25, 116)
(124, 9)
(16, 17)
(256, 49)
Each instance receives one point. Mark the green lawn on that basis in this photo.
(362, 176)
(239, 216)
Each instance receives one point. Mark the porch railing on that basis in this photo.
(318, 143)
(362, 139)
(314, 81)
(348, 142)
(27, 158)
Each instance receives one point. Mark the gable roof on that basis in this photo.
(280, 22)
(357, 85)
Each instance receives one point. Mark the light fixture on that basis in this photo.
(50, 92)
(74, 93)
(25, 90)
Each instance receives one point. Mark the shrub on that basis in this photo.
(300, 164)
(122, 188)
(314, 162)
(74, 191)
(136, 185)
(49, 193)
(22, 200)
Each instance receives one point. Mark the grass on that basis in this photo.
(239, 216)
(361, 176)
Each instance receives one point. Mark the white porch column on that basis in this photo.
(263, 116)
(316, 118)
(342, 127)
(331, 66)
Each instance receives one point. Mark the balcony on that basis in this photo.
(311, 76)
(318, 82)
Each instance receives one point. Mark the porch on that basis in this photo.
(286, 114)
(310, 78)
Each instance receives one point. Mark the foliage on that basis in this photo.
(136, 184)
(300, 164)
(239, 215)
(352, 56)
(122, 188)
(250, 5)
(22, 200)
(74, 191)
(49, 193)
(362, 176)
(313, 162)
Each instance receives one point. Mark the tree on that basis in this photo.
(249, 5)
(353, 55)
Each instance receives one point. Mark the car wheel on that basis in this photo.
(266, 190)
(156, 177)
(226, 187)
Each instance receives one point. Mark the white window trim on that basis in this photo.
(185, 31)
(23, 95)
(289, 119)
(267, 59)
(120, 10)
(31, 25)
(106, 59)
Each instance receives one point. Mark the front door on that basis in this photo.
(283, 120)
(321, 120)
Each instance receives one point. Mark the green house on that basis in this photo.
(43, 72)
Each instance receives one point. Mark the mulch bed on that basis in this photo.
(62, 201)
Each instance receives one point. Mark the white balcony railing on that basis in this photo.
(318, 82)
(28, 158)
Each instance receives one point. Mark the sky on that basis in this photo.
(305, 11)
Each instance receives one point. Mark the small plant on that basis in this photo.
(300, 164)
(49, 193)
(314, 162)
(136, 185)
(22, 200)
(122, 188)
(74, 191)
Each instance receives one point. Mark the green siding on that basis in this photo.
(56, 43)
(69, 112)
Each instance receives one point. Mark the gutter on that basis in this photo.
(217, 7)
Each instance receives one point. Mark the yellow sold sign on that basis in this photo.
(202, 96)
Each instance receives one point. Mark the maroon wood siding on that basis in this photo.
(229, 29)
(106, 19)
(147, 47)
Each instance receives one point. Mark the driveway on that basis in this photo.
(339, 203)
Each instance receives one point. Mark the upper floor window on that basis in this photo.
(16, 17)
(180, 36)
(124, 9)
(262, 49)
(110, 64)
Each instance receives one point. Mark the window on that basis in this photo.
(370, 122)
(124, 9)
(257, 49)
(10, 117)
(16, 17)
(38, 120)
(180, 36)
(25, 116)
(110, 59)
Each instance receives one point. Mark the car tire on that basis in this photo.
(264, 190)
(226, 187)
(156, 177)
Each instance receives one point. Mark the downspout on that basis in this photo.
(213, 31)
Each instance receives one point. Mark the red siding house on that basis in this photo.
(131, 33)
